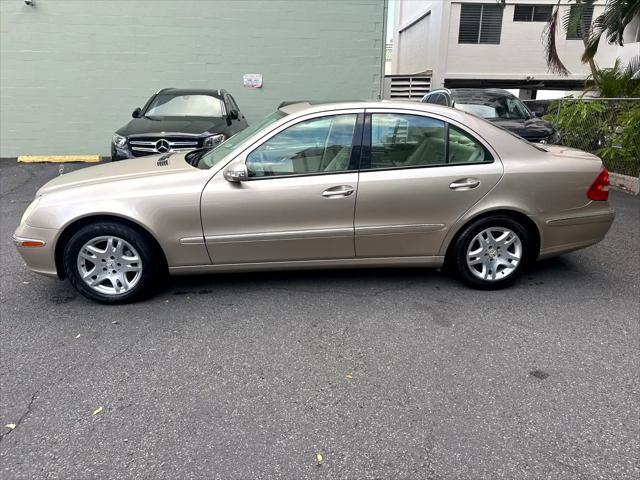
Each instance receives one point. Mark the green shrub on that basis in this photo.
(607, 128)
(622, 148)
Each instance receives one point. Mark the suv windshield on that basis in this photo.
(166, 105)
(214, 156)
(493, 106)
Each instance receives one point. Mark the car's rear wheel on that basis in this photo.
(492, 252)
(112, 263)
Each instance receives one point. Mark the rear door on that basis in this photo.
(418, 175)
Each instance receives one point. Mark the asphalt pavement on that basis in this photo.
(389, 374)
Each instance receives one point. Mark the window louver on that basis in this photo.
(532, 13)
(580, 17)
(480, 23)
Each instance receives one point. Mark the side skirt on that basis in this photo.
(431, 262)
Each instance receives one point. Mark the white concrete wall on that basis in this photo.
(433, 44)
(520, 52)
(410, 42)
(414, 53)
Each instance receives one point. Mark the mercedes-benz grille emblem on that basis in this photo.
(162, 146)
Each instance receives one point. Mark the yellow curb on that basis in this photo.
(58, 158)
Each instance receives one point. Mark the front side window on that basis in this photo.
(480, 23)
(166, 105)
(403, 141)
(318, 145)
(233, 104)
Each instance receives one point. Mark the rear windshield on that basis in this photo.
(493, 106)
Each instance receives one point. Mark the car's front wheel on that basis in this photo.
(492, 252)
(111, 263)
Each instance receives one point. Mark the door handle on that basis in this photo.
(465, 184)
(339, 191)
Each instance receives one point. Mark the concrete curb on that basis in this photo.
(59, 158)
(625, 183)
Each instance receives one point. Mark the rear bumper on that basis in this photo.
(561, 234)
(38, 259)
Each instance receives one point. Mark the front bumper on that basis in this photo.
(40, 259)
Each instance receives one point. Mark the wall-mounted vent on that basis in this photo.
(407, 87)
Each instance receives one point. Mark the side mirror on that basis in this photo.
(233, 114)
(236, 173)
(136, 113)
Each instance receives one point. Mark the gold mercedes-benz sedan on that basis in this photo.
(321, 186)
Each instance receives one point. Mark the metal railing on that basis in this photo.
(607, 127)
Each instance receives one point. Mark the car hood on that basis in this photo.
(169, 125)
(532, 128)
(113, 171)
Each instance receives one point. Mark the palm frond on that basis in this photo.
(549, 34)
(633, 68)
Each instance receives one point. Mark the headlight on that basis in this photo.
(27, 213)
(119, 140)
(214, 140)
(554, 138)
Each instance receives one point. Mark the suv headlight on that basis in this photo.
(554, 138)
(119, 140)
(214, 140)
(27, 213)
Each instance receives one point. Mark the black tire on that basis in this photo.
(153, 265)
(457, 257)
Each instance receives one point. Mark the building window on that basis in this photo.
(580, 17)
(480, 23)
(532, 13)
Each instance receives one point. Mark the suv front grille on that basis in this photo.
(160, 144)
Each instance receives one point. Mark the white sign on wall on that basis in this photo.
(252, 80)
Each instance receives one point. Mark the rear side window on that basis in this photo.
(436, 98)
(405, 141)
(463, 148)
(440, 99)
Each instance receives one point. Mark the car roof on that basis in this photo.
(218, 93)
(505, 143)
(308, 107)
(479, 92)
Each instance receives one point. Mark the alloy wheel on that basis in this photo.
(109, 265)
(494, 254)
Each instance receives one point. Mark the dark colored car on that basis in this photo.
(499, 107)
(178, 119)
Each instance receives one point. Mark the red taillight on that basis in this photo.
(599, 189)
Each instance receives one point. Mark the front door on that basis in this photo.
(299, 201)
(419, 175)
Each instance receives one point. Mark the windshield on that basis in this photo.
(166, 105)
(494, 107)
(214, 156)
